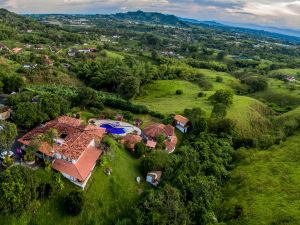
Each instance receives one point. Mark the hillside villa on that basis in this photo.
(75, 150)
(181, 123)
(151, 132)
(5, 112)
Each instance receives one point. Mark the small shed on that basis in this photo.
(154, 177)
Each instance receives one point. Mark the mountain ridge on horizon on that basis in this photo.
(173, 20)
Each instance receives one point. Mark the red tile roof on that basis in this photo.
(151, 144)
(156, 129)
(16, 50)
(82, 168)
(131, 140)
(77, 140)
(171, 144)
(181, 119)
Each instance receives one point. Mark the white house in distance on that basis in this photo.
(5, 112)
(181, 123)
(75, 150)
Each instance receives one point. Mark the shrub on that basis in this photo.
(29, 156)
(219, 79)
(74, 202)
(156, 160)
(256, 84)
(219, 111)
(128, 116)
(201, 94)
(222, 96)
(140, 149)
(205, 84)
(8, 161)
(221, 126)
(179, 92)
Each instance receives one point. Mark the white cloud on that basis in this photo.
(270, 9)
(284, 13)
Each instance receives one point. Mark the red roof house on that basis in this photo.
(16, 50)
(182, 123)
(75, 151)
(153, 130)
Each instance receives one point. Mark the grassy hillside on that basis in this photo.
(265, 186)
(248, 113)
(161, 96)
(285, 95)
(287, 71)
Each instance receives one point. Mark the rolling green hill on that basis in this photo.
(249, 114)
(265, 186)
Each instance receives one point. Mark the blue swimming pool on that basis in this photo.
(113, 130)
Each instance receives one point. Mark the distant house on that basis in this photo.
(17, 50)
(3, 47)
(48, 61)
(66, 65)
(26, 66)
(93, 49)
(39, 47)
(290, 79)
(154, 178)
(72, 52)
(29, 66)
(151, 132)
(130, 141)
(75, 150)
(181, 123)
(85, 50)
(5, 112)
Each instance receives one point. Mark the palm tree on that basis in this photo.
(48, 137)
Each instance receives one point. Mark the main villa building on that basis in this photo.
(75, 150)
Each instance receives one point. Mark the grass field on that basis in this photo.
(112, 54)
(228, 80)
(265, 186)
(283, 94)
(246, 112)
(161, 96)
(287, 71)
(107, 198)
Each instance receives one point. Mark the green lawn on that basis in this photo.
(266, 185)
(108, 198)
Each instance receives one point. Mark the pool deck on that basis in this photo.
(128, 127)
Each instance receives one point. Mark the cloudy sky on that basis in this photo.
(277, 13)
